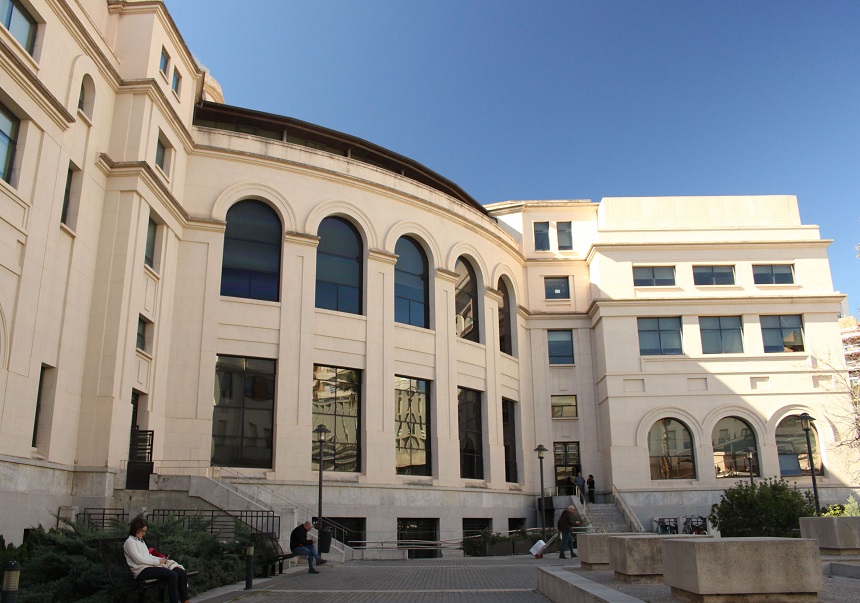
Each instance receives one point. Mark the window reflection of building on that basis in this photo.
(732, 437)
(466, 301)
(792, 450)
(336, 404)
(471, 434)
(670, 449)
(412, 424)
(243, 417)
(509, 436)
(567, 465)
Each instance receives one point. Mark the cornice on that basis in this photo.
(447, 275)
(794, 298)
(79, 31)
(383, 256)
(154, 93)
(301, 238)
(657, 246)
(25, 77)
(145, 172)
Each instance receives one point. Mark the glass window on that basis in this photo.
(243, 416)
(412, 424)
(560, 344)
(659, 336)
(714, 275)
(164, 63)
(70, 197)
(418, 529)
(411, 290)
(565, 238)
(473, 526)
(176, 83)
(782, 333)
(721, 334)
(466, 301)
(509, 436)
(149, 253)
(563, 407)
(163, 154)
(541, 236)
(566, 465)
(471, 434)
(8, 141)
(251, 267)
(19, 22)
(337, 405)
(731, 439)
(653, 276)
(141, 333)
(507, 318)
(340, 256)
(793, 451)
(773, 274)
(556, 287)
(670, 448)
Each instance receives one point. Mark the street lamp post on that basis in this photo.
(806, 424)
(750, 452)
(321, 431)
(541, 449)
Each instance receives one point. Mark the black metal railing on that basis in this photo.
(105, 519)
(140, 445)
(221, 523)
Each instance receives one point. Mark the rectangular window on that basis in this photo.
(412, 426)
(714, 275)
(565, 238)
(149, 253)
(473, 526)
(567, 465)
(560, 344)
(782, 333)
(71, 197)
(39, 404)
(419, 529)
(164, 63)
(337, 405)
(721, 334)
(653, 276)
(659, 336)
(163, 154)
(563, 407)
(9, 125)
(243, 416)
(471, 433)
(176, 83)
(509, 436)
(773, 274)
(556, 287)
(142, 332)
(541, 236)
(19, 22)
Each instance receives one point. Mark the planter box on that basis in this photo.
(835, 535)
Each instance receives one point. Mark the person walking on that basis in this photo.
(590, 484)
(580, 485)
(565, 527)
(300, 544)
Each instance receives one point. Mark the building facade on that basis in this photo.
(191, 289)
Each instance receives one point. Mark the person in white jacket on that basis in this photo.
(146, 566)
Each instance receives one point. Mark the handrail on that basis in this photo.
(626, 511)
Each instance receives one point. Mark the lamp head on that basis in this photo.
(541, 449)
(321, 431)
(806, 421)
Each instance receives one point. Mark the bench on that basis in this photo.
(273, 553)
(119, 574)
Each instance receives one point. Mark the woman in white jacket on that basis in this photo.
(146, 566)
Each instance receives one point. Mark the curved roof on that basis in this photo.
(290, 129)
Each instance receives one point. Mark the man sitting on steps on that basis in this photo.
(300, 544)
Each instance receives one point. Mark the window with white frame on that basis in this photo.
(653, 276)
(721, 334)
(164, 62)
(9, 126)
(659, 336)
(565, 236)
(782, 333)
(541, 231)
(176, 83)
(19, 22)
(163, 154)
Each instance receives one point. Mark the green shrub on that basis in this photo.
(768, 508)
(851, 508)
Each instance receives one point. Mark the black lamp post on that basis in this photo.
(321, 431)
(541, 449)
(806, 424)
(750, 452)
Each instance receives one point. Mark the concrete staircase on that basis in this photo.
(606, 518)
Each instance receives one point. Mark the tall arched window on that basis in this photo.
(252, 252)
(732, 438)
(792, 450)
(466, 301)
(411, 293)
(339, 266)
(670, 448)
(506, 320)
(87, 96)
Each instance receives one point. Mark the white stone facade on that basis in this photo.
(98, 108)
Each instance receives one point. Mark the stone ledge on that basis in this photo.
(562, 586)
(835, 535)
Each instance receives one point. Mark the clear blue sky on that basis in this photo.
(569, 100)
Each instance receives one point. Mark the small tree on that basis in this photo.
(769, 508)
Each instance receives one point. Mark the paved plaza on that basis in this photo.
(448, 580)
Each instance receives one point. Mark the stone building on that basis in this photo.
(188, 289)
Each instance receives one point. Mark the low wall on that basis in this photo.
(639, 557)
(739, 569)
(593, 549)
(835, 535)
(562, 586)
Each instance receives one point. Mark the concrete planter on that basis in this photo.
(835, 535)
